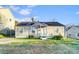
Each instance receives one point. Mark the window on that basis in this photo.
(69, 35)
(78, 34)
(21, 30)
(33, 31)
(57, 30)
(10, 19)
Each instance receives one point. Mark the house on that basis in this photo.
(72, 32)
(37, 29)
(7, 20)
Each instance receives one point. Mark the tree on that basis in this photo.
(34, 19)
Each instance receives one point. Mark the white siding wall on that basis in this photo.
(46, 31)
(40, 32)
(23, 34)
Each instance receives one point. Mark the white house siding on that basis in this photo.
(49, 31)
(73, 33)
(24, 34)
(41, 32)
(28, 31)
(46, 31)
(36, 33)
(55, 30)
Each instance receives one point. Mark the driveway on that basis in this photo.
(5, 40)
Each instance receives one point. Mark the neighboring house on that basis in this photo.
(72, 32)
(37, 29)
(7, 20)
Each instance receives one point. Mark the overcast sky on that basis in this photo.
(62, 13)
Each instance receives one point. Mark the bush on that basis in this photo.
(2, 36)
(9, 33)
(31, 36)
(57, 37)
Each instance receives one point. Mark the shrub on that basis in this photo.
(57, 37)
(8, 33)
(31, 36)
(2, 36)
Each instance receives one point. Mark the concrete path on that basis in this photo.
(5, 40)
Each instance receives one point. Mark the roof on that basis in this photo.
(48, 23)
(53, 23)
(68, 28)
(24, 24)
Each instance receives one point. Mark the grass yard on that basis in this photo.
(43, 42)
(2, 36)
(37, 46)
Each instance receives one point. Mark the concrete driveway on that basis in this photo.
(5, 40)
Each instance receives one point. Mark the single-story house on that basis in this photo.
(72, 32)
(37, 29)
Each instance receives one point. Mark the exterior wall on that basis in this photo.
(1, 26)
(73, 33)
(35, 34)
(41, 32)
(6, 18)
(19, 34)
(55, 30)
(46, 31)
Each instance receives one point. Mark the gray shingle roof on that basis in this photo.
(48, 23)
(53, 23)
(25, 24)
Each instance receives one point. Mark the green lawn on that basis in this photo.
(2, 36)
(37, 46)
(43, 42)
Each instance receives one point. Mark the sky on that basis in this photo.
(65, 14)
